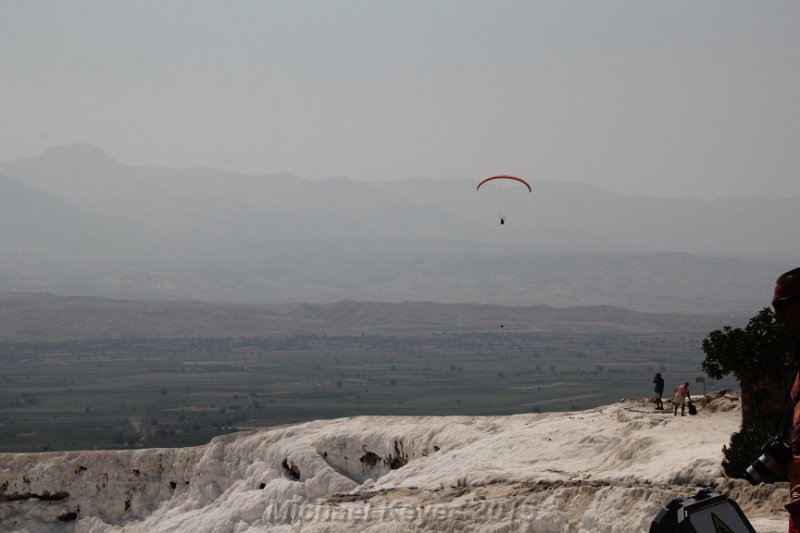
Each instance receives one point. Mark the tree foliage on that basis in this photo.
(760, 356)
(757, 351)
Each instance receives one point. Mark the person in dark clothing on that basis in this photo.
(659, 381)
(786, 306)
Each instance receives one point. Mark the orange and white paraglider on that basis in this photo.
(503, 190)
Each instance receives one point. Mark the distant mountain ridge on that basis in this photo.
(89, 225)
(191, 203)
(36, 317)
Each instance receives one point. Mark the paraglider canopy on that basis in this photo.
(503, 191)
(504, 177)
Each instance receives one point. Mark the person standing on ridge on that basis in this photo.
(659, 381)
(681, 395)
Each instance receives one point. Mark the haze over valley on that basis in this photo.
(76, 222)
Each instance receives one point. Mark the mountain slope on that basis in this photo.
(49, 317)
(42, 225)
(190, 203)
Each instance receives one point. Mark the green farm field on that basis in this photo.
(152, 392)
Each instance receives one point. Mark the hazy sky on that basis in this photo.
(677, 98)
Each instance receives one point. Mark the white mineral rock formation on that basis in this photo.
(608, 469)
